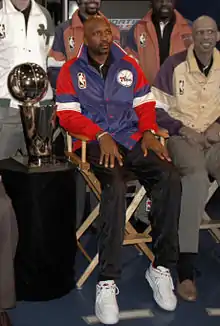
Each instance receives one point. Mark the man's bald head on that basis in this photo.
(204, 21)
(204, 34)
(97, 34)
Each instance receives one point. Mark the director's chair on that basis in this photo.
(131, 236)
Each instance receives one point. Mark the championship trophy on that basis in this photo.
(28, 83)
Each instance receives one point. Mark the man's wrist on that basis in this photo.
(150, 131)
(100, 134)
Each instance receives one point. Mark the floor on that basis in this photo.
(135, 298)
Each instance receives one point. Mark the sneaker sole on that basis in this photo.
(148, 278)
(106, 321)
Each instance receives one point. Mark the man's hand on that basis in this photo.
(212, 134)
(149, 141)
(109, 152)
(163, 133)
(192, 136)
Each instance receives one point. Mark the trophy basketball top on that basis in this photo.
(28, 83)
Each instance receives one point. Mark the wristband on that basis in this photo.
(101, 135)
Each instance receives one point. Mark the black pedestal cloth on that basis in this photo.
(44, 204)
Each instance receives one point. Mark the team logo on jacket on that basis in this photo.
(142, 40)
(81, 80)
(71, 43)
(2, 31)
(125, 78)
(181, 87)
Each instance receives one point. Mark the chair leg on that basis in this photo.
(130, 229)
(215, 232)
(87, 272)
(83, 251)
(86, 224)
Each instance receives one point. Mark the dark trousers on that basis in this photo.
(157, 176)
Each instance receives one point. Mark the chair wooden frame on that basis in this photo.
(139, 240)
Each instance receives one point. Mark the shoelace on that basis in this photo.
(106, 291)
(164, 280)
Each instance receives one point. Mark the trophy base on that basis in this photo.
(22, 164)
(55, 165)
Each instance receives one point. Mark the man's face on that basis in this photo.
(20, 4)
(99, 38)
(90, 7)
(163, 9)
(205, 36)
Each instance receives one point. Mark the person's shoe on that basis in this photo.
(161, 283)
(187, 290)
(106, 307)
(4, 319)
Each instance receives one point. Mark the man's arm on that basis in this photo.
(163, 92)
(144, 103)
(69, 109)
(131, 43)
(57, 54)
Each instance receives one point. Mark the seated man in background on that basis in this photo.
(188, 105)
(103, 95)
(162, 32)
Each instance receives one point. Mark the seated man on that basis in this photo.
(103, 94)
(188, 105)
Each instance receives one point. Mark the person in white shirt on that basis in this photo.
(26, 35)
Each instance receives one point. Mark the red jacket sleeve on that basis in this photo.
(69, 109)
(144, 102)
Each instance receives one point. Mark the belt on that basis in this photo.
(5, 102)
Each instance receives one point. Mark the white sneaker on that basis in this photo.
(106, 307)
(161, 283)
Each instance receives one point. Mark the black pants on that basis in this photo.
(157, 176)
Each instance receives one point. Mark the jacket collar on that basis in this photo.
(117, 53)
(180, 20)
(193, 67)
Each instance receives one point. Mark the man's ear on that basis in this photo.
(218, 36)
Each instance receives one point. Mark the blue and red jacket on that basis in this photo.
(122, 104)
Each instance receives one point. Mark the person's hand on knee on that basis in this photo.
(109, 151)
(149, 141)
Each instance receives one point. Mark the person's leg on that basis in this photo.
(190, 161)
(110, 225)
(11, 133)
(11, 139)
(162, 180)
(8, 242)
(212, 157)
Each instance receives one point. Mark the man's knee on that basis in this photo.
(114, 180)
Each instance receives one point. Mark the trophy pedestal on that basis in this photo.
(56, 165)
(44, 200)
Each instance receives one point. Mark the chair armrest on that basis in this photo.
(79, 137)
(83, 139)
